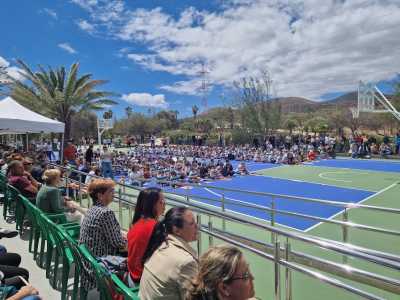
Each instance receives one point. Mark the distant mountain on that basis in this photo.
(295, 104)
(301, 105)
(349, 99)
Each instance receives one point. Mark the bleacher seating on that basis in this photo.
(58, 241)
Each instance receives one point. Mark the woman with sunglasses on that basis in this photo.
(170, 260)
(223, 275)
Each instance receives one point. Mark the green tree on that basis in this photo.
(108, 114)
(59, 94)
(291, 124)
(128, 111)
(3, 78)
(84, 124)
(318, 124)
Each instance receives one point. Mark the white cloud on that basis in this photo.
(310, 49)
(145, 99)
(12, 71)
(50, 12)
(67, 47)
(85, 26)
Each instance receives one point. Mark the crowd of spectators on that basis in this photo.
(157, 248)
(159, 256)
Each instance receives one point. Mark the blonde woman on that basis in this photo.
(223, 275)
(50, 200)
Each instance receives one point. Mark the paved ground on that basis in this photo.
(37, 275)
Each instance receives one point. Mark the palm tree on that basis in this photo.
(195, 109)
(3, 78)
(108, 114)
(59, 95)
(128, 111)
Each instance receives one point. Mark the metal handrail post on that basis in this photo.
(199, 235)
(120, 204)
(288, 275)
(210, 228)
(345, 230)
(277, 273)
(223, 209)
(272, 212)
(80, 189)
(66, 184)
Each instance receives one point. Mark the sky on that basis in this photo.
(157, 53)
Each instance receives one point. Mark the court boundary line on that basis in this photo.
(313, 182)
(321, 175)
(219, 195)
(368, 159)
(239, 213)
(359, 202)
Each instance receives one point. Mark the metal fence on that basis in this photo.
(282, 256)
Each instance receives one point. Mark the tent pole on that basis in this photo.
(27, 143)
(61, 155)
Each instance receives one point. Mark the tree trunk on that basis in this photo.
(67, 130)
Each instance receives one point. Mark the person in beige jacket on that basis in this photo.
(170, 261)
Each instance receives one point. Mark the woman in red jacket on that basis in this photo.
(149, 207)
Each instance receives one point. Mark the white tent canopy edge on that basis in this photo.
(17, 119)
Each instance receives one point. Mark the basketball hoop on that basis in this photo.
(105, 124)
(102, 126)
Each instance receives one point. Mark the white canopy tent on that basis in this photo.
(17, 119)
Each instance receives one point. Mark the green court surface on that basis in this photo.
(350, 178)
(386, 194)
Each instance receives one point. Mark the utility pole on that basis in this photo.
(204, 84)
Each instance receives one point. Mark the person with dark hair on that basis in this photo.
(100, 230)
(223, 275)
(170, 261)
(150, 206)
(89, 155)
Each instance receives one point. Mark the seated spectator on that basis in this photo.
(100, 230)
(223, 275)
(49, 198)
(27, 292)
(385, 150)
(135, 175)
(227, 170)
(311, 155)
(9, 266)
(94, 171)
(22, 180)
(170, 260)
(149, 207)
(242, 169)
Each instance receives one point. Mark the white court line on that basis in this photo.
(314, 182)
(241, 201)
(396, 161)
(360, 202)
(321, 175)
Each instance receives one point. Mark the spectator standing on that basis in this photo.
(106, 163)
(397, 141)
(89, 155)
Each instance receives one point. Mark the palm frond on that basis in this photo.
(71, 80)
